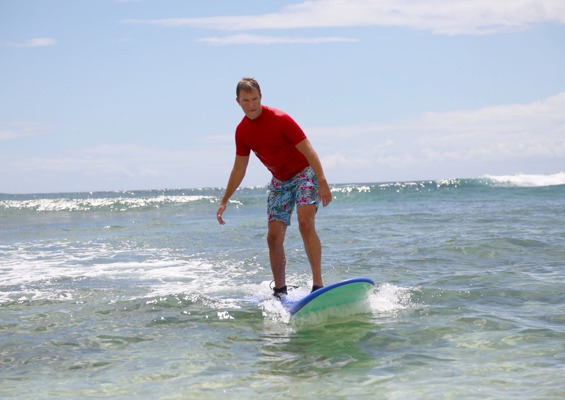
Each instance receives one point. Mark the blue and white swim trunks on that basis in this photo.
(301, 189)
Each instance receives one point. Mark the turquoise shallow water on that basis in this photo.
(142, 295)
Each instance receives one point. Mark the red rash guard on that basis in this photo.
(273, 137)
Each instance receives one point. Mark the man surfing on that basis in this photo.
(298, 179)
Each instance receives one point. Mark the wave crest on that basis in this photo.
(528, 180)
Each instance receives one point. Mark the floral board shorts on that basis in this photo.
(301, 189)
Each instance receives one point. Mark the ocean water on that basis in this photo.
(141, 294)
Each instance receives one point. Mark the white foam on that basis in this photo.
(350, 188)
(34, 272)
(114, 203)
(273, 309)
(389, 299)
(529, 180)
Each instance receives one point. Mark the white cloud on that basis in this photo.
(497, 140)
(525, 135)
(35, 42)
(513, 125)
(256, 39)
(116, 167)
(449, 17)
(15, 130)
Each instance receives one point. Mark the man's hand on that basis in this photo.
(324, 193)
(220, 212)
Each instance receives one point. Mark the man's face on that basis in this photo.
(250, 103)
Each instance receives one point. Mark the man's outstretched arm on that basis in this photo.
(236, 177)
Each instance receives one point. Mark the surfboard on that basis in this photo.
(347, 294)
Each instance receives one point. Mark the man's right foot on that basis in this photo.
(279, 292)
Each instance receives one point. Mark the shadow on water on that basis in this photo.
(315, 351)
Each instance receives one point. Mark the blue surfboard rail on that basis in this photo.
(295, 307)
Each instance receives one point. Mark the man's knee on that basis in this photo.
(275, 234)
(306, 219)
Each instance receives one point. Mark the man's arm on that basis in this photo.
(324, 191)
(236, 177)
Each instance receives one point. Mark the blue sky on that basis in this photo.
(116, 95)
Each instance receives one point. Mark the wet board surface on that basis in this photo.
(350, 293)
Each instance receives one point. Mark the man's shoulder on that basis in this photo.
(274, 111)
(269, 115)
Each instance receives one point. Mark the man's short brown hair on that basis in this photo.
(247, 85)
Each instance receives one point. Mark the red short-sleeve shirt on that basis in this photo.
(273, 137)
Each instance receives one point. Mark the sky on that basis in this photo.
(140, 94)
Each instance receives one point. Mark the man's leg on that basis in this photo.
(275, 240)
(312, 245)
